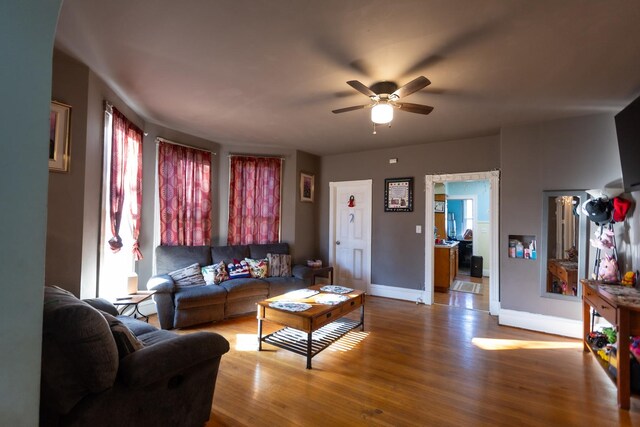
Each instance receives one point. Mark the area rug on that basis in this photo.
(472, 288)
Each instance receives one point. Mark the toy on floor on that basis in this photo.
(629, 278)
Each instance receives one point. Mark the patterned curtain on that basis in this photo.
(184, 178)
(254, 200)
(125, 175)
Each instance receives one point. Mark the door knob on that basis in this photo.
(337, 242)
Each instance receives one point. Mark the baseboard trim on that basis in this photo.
(485, 272)
(396, 293)
(541, 323)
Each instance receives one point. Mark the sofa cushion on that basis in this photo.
(259, 268)
(241, 288)
(188, 276)
(156, 336)
(282, 285)
(229, 253)
(279, 265)
(170, 258)
(215, 274)
(200, 296)
(261, 251)
(79, 354)
(136, 326)
(125, 340)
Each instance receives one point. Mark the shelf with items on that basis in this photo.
(523, 246)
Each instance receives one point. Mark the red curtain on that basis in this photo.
(125, 175)
(254, 200)
(184, 182)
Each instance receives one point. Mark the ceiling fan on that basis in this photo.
(384, 98)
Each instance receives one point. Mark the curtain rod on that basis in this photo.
(159, 139)
(268, 156)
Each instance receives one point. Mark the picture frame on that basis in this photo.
(398, 194)
(438, 206)
(307, 187)
(59, 136)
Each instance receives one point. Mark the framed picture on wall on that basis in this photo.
(59, 130)
(307, 187)
(398, 195)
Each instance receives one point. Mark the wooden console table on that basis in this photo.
(620, 306)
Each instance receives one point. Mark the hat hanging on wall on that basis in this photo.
(598, 210)
(620, 208)
(605, 193)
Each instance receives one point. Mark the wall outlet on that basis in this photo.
(393, 161)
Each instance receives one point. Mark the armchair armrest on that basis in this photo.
(302, 272)
(102, 304)
(162, 283)
(168, 358)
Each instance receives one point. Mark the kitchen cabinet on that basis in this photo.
(445, 266)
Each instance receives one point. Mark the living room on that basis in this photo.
(532, 156)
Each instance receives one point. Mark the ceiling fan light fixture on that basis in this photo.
(382, 113)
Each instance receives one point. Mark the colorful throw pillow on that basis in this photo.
(279, 265)
(238, 269)
(259, 268)
(188, 276)
(215, 274)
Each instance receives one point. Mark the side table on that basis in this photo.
(322, 272)
(132, 302)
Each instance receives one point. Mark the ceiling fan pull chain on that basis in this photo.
(374, 128)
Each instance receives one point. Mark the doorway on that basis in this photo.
(489, 230)
(350, 232)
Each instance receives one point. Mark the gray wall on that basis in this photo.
(397, 251)
(26, 43)
(70, 80)
(571, 154)
(307, 214)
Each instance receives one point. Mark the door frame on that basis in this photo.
(494, 232)
(333, 205)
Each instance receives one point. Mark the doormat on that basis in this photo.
(472, 288)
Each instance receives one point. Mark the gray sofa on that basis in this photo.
(89, 380)
(182, 307)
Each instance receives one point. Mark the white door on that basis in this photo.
(350, 233)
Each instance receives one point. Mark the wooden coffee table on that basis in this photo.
(309, 332)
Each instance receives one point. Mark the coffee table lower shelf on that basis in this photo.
(310, 344)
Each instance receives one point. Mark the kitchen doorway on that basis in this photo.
(486, 243)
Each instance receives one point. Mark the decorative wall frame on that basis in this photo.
(59, 136)
(307, 187)
(398, 194)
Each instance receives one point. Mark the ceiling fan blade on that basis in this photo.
(344, 110)
(413, 86)
(414, 108)
(360, 87)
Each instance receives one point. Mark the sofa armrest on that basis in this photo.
(162, 283)
(170, 357)
(302, 272)
(103, 305)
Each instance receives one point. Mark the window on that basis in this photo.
(468, 214)
(121, 203)
(184, 195)
(254, 200)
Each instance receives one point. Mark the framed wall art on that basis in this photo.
(398, 195)
(59, 135)
(307, 187)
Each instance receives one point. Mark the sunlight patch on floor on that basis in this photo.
(246, 342)
(502, 344)
(349, 341)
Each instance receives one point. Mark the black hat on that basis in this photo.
(598, 210)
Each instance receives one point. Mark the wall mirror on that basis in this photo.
(563, 247)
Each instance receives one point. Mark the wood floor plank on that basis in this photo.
(415, 365)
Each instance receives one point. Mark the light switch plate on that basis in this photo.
(418, 229)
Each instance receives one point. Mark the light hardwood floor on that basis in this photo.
(415, 365)
(465, 299)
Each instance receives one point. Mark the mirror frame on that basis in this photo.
(582, 244)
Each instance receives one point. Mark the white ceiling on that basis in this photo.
(269, 72)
